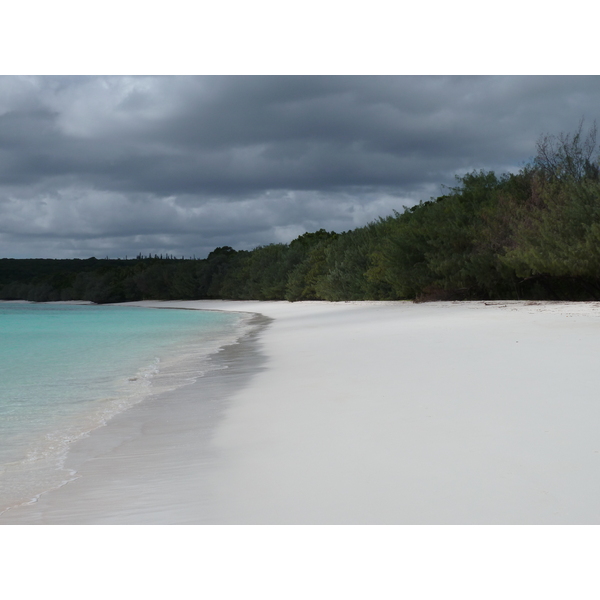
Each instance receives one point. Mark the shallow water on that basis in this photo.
(67, 369)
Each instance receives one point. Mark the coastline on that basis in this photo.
(161, 412)
(361, 413)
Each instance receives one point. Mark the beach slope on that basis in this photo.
(362, 413)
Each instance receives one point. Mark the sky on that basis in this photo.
(116, 166)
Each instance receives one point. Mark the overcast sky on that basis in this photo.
(97, 166)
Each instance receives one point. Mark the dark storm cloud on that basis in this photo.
(117, 165)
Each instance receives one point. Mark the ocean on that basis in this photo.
(66, 369)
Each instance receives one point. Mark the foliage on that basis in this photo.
(532, 234)
(568, 156)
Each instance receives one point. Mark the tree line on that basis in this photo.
(534, 234)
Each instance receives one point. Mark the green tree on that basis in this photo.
(568, 156)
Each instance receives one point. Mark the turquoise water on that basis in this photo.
(67, 369)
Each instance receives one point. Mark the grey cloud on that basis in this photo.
(182, 164)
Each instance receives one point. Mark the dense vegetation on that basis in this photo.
(530, 235)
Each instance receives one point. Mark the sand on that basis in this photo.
(361, 413)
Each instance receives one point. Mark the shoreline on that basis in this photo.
(99, 442)
(363, 413)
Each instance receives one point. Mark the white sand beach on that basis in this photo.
(361, 413)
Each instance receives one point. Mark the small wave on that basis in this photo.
(42, 467)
